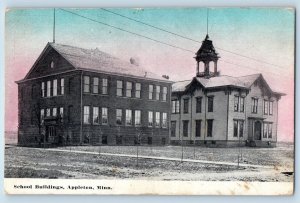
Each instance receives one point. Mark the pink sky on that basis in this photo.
(270, 40)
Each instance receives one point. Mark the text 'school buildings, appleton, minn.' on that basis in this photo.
(78, 96)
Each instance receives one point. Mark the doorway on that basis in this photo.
(257, 130)
(50, 133)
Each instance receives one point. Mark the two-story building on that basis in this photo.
(75, 96)
(219, 110)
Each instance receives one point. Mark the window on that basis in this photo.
(271, 108)
(32, 119)
(52, 64)
(71, 85)
(185, 105)
(185, 128)
(163, 141)
(128, 117)
(241, 127)
(138, 90)
(55, 87)
(150, 91)
(236, 103)
(119, 116)
(266, 107)
(265, 135)
(95, 115)
(119, 88)
(210, 104)
(242, 104)
(43, 89)
(104, 86)
(70, 114)
(173, 128)
(137, 119)
(150, 119)
(164, 120)
(157, 119)
(48, 88)
(270, 130)
(86, 87)
(149, 141)
(198, 104)
(254, 105)
(128, 89)
(95, 85)
(48, 112)
(238, 128)
(104, 115)
(267, 130)
(119, 140)
(175, 106)
(157, 92)
(62, 86)
(54, 112)
(235, 128)
(42, 116)
(164, 95)
(86, 114)
(209, 127)
(33, 91)
(61, 113)
(104, 139)
(198, 128)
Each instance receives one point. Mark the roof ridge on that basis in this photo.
(131, 66)
(250, 74)
(183, 80)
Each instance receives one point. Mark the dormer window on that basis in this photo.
(52, 64)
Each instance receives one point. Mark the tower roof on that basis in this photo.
(207, 51)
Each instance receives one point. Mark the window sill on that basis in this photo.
(124, 97)
(53, 96)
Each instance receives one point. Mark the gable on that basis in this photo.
(194, 85)
(49, 62)
(261, 83)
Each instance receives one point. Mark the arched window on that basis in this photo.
(52, 64)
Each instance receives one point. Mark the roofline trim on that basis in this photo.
(127, 75)
(25, 80)
(224, 86)
(95, 71)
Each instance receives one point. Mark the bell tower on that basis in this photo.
(206, 54)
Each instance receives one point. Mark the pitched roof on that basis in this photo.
(243, 82)
(221, 81)
(96, 60)
(180, 86)
(212, 82)
(249, 79)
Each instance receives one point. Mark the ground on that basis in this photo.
(21, 162)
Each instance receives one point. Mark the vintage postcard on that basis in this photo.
(160, 101)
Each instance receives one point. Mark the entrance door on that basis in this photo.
(50, 133)
(257, 130)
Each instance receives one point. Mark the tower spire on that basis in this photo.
(207, 21)
(54, 25)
